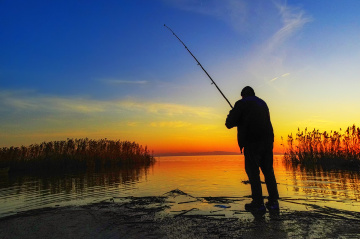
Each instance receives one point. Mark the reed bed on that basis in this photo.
(74, 154)
(334, 149)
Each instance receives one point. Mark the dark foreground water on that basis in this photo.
(200, 176)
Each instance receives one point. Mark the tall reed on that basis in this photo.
(74, 154)
(315, 147)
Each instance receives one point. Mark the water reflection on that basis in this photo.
(337, 188)
(24, 192)
(199, 176)
(336, 183)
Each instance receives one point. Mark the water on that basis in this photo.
(198, 176)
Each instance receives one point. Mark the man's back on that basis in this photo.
(256, 120)
(251, 116)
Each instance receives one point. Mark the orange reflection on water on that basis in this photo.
(341, 185)
(225, 176)
(201, 175)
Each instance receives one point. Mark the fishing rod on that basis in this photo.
(212, 81)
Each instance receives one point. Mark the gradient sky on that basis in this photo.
(110, 69)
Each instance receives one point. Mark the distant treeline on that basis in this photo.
(74, 154)
(334, 149)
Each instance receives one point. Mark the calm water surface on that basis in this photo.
(196, 175)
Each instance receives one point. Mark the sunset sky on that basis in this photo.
(110, 69)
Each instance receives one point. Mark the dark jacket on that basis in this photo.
(251, 116)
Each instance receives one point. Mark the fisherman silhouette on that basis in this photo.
(255, 135)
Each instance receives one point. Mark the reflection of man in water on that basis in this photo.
(255, 135)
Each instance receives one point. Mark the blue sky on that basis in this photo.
(111, 70)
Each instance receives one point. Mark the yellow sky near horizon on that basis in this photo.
(164, 128)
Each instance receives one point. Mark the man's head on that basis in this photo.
(247, 91)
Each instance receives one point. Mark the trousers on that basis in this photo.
(260, 156)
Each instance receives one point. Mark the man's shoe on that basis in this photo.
(272, 205)
(255, 207)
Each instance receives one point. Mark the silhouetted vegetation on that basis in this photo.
(74, 154)
(334, 149)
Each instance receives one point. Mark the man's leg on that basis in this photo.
(253, 172)
(267, 168)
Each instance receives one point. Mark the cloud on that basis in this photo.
(282, 76)
(120, 82)
(166, 108)
(292, 20)
(170, 124)
(14, 102)
(230, 11)
(251, 15)
(270, 60)
(132, 124)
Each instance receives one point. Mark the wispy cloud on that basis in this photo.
(282, 76)
(292, 20)
(14, 102)
(269, 61)
(170, 124)
(167, 108)
(121, 82)
(48, 104)
(230, 11)
(132, 124)
(252, 15)
(245, 14)
(274, 79)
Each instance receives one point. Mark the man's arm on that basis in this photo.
(233, 118)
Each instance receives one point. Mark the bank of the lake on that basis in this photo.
(180, 215)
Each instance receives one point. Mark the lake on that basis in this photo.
(200, 176)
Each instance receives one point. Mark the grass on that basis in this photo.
(334, 149)
(74, 154)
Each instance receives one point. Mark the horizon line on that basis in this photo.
(202, 153)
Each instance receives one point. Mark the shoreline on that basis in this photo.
(180, 215)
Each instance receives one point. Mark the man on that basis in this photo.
(255, 135)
